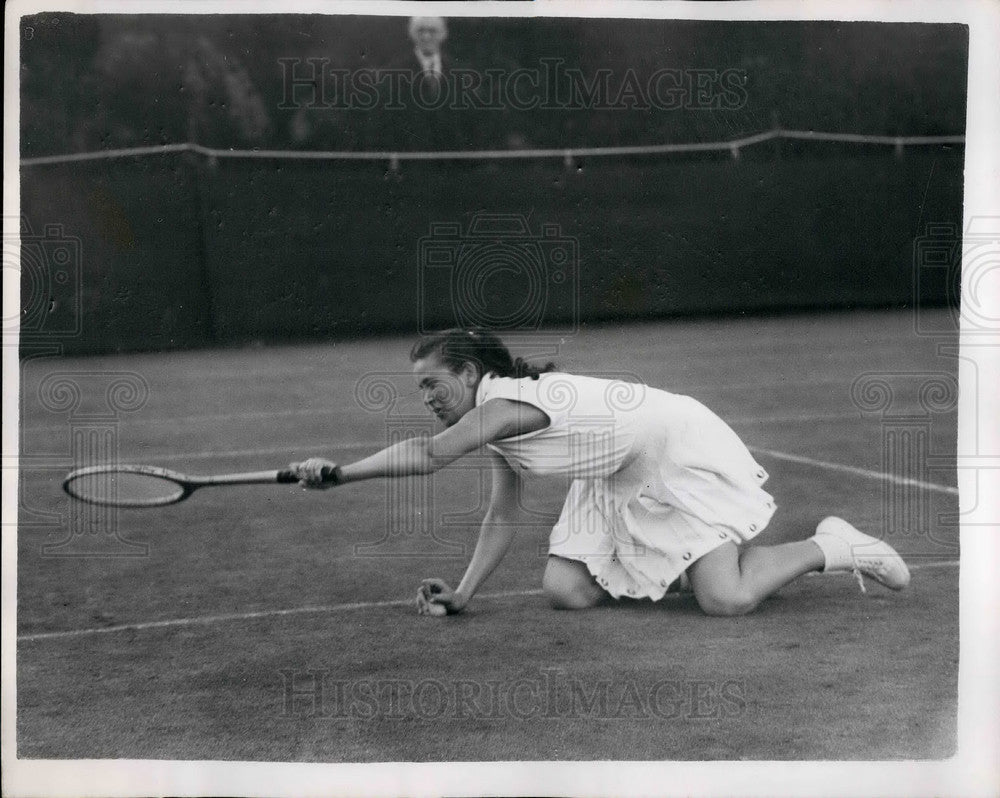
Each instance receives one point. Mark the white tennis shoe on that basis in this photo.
(848, 549)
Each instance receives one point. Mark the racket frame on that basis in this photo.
(187, 483)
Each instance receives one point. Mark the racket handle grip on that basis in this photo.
(289, 476)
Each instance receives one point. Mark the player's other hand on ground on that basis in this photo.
(435, 598)
(315, 473)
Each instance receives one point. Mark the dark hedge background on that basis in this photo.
(180, 250)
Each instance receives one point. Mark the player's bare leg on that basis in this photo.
(569, 585)
(730, 581)
(725, 581)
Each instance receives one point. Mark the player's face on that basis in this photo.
(447, 394)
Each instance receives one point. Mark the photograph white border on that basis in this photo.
(975, 770)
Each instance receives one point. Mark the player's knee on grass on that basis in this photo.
(718, 585)
(726, 602)
(568, 585)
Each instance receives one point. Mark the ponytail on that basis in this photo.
(482, 348)
(522, 368)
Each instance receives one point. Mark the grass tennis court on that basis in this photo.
(211, 646)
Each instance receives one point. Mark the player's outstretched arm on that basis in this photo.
(495, 536)
(493, 420)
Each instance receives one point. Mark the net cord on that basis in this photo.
(567, 154)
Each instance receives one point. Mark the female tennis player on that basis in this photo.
(664, 495)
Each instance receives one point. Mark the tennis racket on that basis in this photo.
(149, 486)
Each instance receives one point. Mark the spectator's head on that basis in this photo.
(428, 33)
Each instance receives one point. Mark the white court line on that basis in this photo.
(259, 415)
(166, 421)
(206, 620)
(145, 421)
(911, 566)
(290, 451)
(861, 472)
(293, 451)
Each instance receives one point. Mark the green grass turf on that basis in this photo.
(819, 671)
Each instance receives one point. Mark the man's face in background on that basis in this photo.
(428, 33)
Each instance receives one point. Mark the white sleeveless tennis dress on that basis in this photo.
(658, 479)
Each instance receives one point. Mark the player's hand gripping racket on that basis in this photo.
(149, 486)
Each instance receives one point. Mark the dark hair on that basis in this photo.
(482, 348)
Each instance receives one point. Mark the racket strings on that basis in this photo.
(124, 488)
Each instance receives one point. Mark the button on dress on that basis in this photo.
(658, 480)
